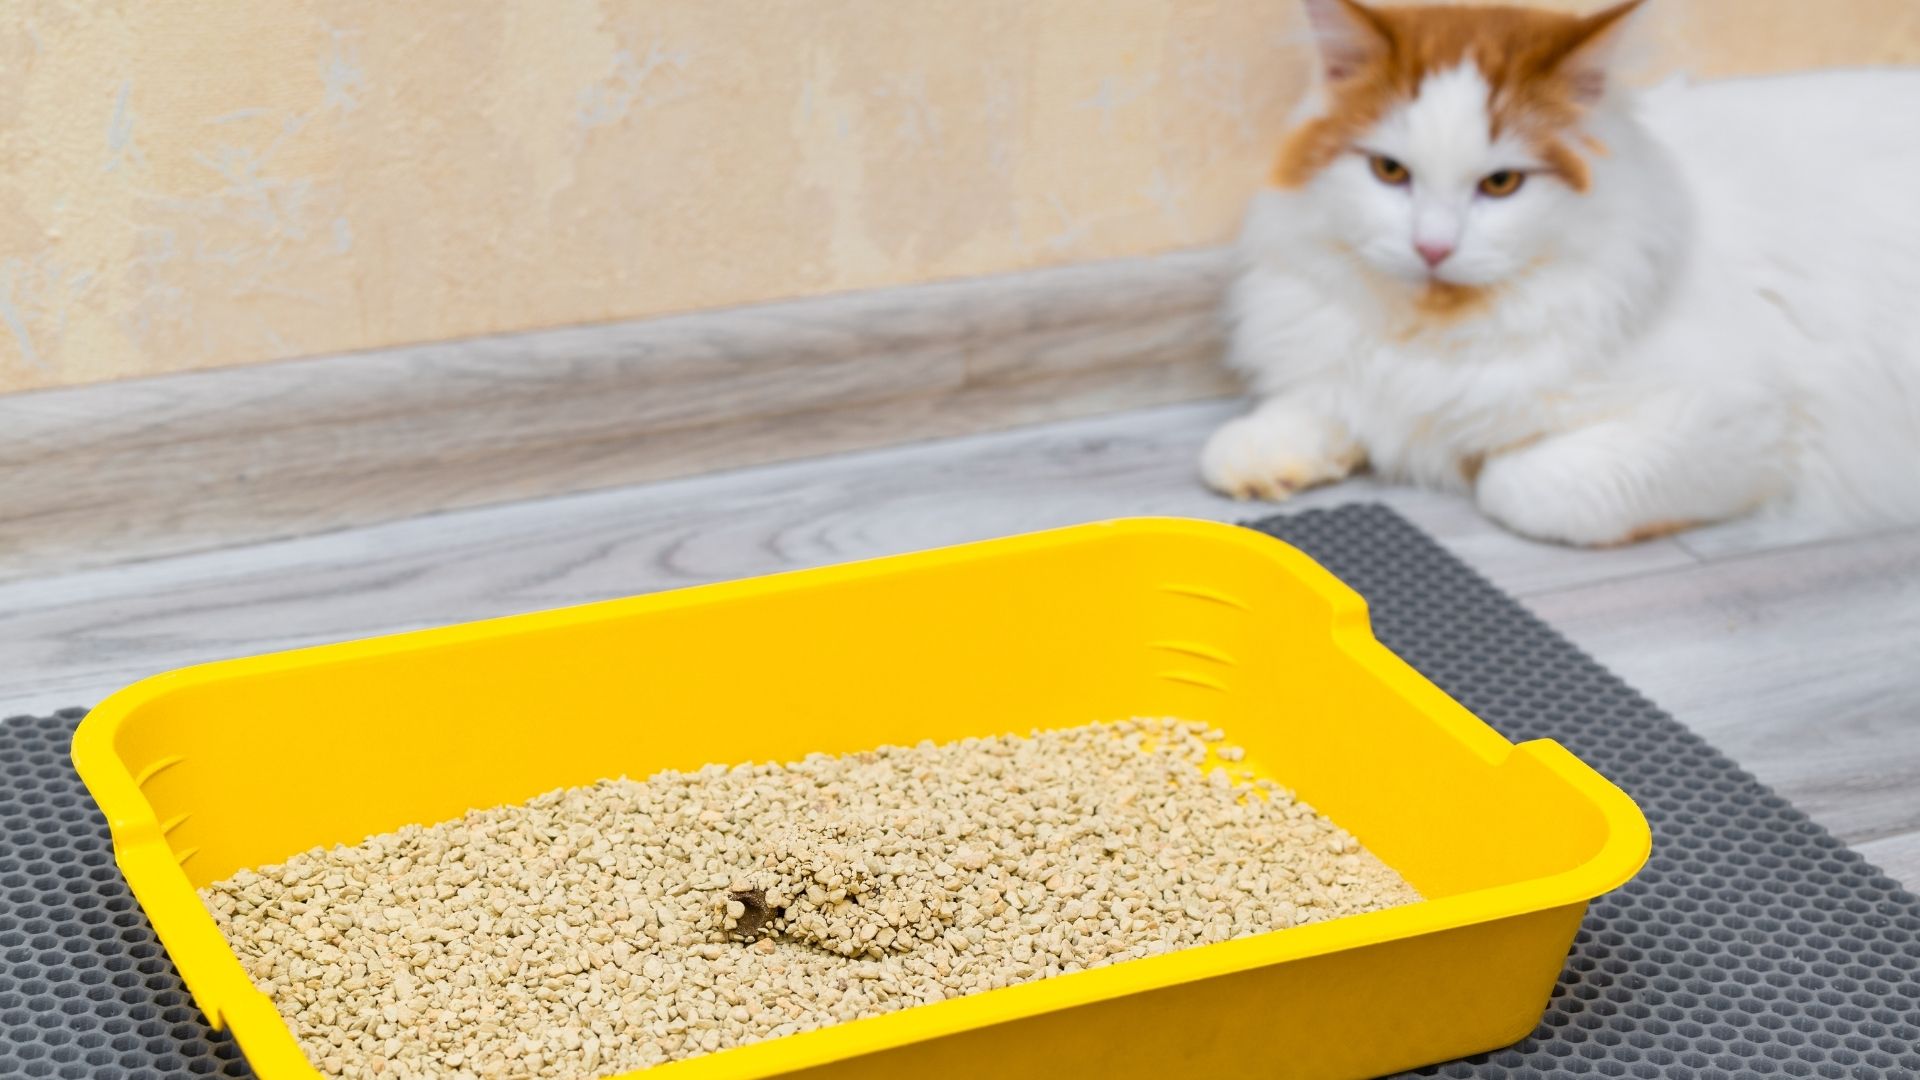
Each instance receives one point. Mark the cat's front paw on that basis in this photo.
(1263, 456)
(1554, 497)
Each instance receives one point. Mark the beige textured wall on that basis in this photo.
(191, 183)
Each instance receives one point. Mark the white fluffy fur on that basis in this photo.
(1727, 320)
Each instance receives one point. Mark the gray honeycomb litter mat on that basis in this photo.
(1752, 944)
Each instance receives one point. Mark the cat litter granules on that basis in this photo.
(608, 928)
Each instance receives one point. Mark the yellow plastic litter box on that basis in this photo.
(210, 769)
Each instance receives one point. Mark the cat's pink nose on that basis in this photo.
(1435, 254)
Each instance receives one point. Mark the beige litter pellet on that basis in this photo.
(601, 929)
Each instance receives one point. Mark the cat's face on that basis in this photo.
(1450, 153)
(1428, 192)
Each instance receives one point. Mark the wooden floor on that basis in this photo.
(1800, 660)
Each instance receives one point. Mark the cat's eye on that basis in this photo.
(1388, 171)
(1503, 183)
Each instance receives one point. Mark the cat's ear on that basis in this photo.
(1588, 61)
(1349, 35)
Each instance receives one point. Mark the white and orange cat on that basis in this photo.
(1485, 264)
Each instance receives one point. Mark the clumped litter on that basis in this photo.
(601, 929)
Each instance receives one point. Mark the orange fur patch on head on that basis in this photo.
(1544, 69)
(1564, 163)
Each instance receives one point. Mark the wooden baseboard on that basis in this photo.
(136, 469)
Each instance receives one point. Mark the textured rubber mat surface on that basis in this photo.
(85, 989)
(1753, 944)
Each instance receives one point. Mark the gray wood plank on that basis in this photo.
(1898, 855)
(1751, 535)
(1802, 663)
(72, 638)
